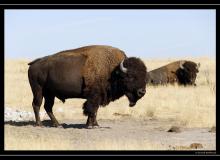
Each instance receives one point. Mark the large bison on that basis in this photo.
(100, 74)
(182, 72)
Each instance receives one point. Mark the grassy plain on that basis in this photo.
(187, 107)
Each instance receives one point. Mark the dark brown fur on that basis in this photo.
(187, 76)
(92, 73)
(173, 73)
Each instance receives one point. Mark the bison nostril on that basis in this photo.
(141, 92)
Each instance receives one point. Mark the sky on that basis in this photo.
(140, 33)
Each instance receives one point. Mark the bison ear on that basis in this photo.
(181, 64)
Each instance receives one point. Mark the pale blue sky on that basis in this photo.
(141, 33)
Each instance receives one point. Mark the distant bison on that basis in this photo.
(99, 74)
(182, 72)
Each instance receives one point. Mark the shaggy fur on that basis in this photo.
(92, 73)
(187, 76)
(172, 73)
(100, 62)
(120, 82)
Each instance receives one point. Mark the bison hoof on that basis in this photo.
(92, 127)
(60, 126)
(96, 126)
(88, 127)
(38, 124)
(57, 125)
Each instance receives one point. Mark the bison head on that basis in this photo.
(133, 79)
(187, 72)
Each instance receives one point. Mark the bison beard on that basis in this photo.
(100, 74)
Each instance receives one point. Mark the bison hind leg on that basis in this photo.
(37, 101)
(48, 105)
(36, 113)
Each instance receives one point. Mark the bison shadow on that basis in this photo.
(21, 123)
(47, 123)
(79, 126)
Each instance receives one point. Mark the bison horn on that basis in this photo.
(140, 92)
(181, 64)
(123, 69)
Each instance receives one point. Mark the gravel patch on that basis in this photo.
(19, 115)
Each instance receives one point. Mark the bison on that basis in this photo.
(182, 72)
(100, 74)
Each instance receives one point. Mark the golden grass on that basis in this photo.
(189, 106)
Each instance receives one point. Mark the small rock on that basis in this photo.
(120, 114)
(181, 148)
(174, 129)
(196, 145)
(213, 129)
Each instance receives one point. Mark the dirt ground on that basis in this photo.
(124, 133)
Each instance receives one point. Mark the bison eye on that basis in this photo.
(187, 69)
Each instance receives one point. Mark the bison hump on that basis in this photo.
(99, 66)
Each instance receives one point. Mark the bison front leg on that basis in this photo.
(91, 121)
(90, 109)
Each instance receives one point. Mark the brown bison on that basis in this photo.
(182, 72)
(99, 74)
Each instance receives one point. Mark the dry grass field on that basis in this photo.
(143, 127)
